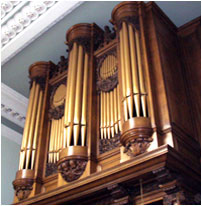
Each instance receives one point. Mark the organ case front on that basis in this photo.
(95, 123)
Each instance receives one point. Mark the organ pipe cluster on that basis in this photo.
(133, 87)
(56, 139)
(76, 98)
(110, 114)
(31, 129)
(110, 121)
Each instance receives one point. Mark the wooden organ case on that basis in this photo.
(114, 122)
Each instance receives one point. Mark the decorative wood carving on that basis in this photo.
(136, 135)
(106, 145)
(72, 169)
(137, 146)
(51, 168)
(58, 69)
(23, 188)
(23, 183)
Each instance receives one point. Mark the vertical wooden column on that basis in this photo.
(136, 127)
(26, 175)
(75, 144)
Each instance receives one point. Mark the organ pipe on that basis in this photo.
(136, 90)
(123, 77)
(32, 125)
(26, 128)
(37, 126)
(84, 100)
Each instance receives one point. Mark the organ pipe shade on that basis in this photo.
(133, 87)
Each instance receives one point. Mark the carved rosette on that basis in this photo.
(136, 136)
(23, 183)
(72, 162)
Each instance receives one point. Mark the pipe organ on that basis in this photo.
(105, 121)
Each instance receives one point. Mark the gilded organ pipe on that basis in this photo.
(115, 110)
(112, 112)
(78, 96)
(134, 69)
(71, 94)
(26, 128)
(127, 70)
(37, 126)
(141, 78)
(32, 125)
(84, 100)
(123, 77)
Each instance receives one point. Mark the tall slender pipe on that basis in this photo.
(128, 70)
(37, 126)
(115, 110)
(135, 80)
(72, 94)
(32, 126)
(78, 96)
(112, 113)
(84, 100)
(123, 77)
(141, 78)
(27, 124)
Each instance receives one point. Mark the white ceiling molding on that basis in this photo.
(11, 134)
(22, 17)
(13, 105)
(27, 35)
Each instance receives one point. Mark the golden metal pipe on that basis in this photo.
(84, 99)
(119, 108)
(122, 65)
(71, 95)
(140, 71)
(108, 115)
(51, 139)
(135, 80)
(112, 112)
(68, 87)
(37, 125)
(61, 133)
(83, 134)
(51, 128)
(32, 126)
(58, 137)
(141, 76)
(125, 108)
(78, 96)
(115, 111)
(101, 115)
(128, 70)
(105, 114)
(27, 124)
(65, 138)
(55, 141)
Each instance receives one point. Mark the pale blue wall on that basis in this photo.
(9, 166)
